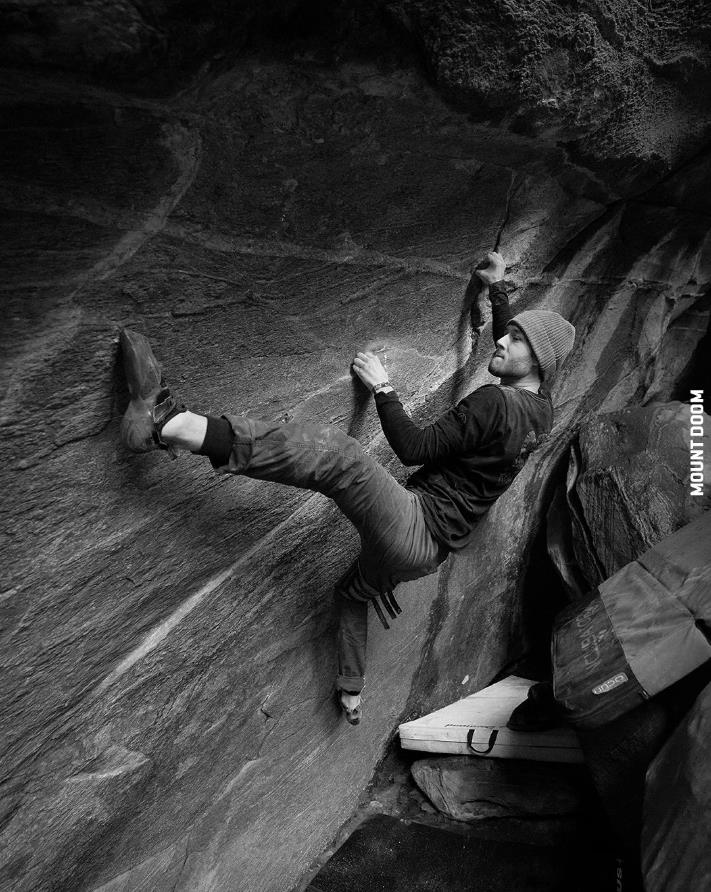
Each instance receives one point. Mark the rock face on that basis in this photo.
(619, 514)
(167, 645)
(619, 84)
(677, 806)
(129, 40)
(473, 789)
(610, 78)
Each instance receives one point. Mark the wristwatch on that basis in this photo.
(378, 387)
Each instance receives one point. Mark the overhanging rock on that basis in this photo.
(168, 640)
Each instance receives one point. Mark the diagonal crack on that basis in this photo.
(507, 213)
(186, 854)
(185, 147)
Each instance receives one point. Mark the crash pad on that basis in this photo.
(476, 726)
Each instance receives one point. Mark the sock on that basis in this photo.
(217, 444)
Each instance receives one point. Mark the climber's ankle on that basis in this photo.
(185, 430)
(350, 699)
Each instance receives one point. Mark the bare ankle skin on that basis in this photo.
(185, 431)
(350, 700)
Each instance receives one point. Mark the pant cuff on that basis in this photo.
(217, 444)
(352, 683)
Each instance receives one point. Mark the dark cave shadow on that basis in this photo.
(358, 423)
(469, 328)
(697, 373)
(471, 322)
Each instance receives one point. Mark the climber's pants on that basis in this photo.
(396, 544)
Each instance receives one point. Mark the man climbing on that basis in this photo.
(468, 458)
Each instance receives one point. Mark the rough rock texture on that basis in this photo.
(677, 807)
(618, 81)
(167, 645)
(467, 789)
(627, 491)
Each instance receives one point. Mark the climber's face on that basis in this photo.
(513, 358)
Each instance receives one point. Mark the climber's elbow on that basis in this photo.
(411, 454)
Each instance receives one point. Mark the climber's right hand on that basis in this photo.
(495, 269)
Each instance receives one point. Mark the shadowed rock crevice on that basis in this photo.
(696, 373)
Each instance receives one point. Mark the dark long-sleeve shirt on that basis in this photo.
(471, 454)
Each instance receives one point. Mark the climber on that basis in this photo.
(468, 457)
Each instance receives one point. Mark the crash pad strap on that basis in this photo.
(490, 745)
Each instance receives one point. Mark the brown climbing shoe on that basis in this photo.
(152, 404)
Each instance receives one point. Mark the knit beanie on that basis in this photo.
(550, 336)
